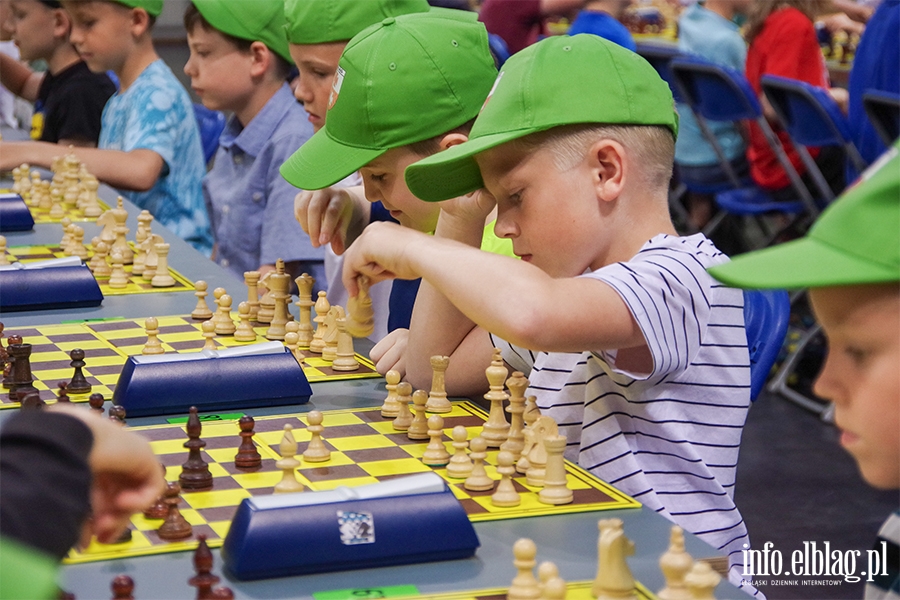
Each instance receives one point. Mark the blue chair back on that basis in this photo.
(660, 58)
(211, 123)
(498, 49)
(883, 109)
(715, 92)
(766, 316)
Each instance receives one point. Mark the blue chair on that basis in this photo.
(498, 49)
(211, 124)
(717, 93)
(660, 57)
(812, 118)
(766, 317)
(883, 109)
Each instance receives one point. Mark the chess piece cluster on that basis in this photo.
(72, 190)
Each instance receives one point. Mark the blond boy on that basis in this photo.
(634, 350)
(850, 261)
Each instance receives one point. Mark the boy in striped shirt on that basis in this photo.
(850, 260)
(637, 353)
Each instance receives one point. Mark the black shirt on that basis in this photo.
(72, 102)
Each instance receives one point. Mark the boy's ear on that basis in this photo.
(260, 59)
(608, 163)
(140, 22)
(62, 24)
(452, 139)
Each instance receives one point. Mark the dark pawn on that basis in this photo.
(96, 402)
(222, 593)
(10, 364)
(122, 587)
(78, 385)
(62, 395)
(117, 412)
(247, 457)
(175, 526)
(30, 400)
(195, 473)
(203, 564)
(159, 509)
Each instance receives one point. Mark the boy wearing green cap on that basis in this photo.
(628, 343)
(239, 63)
(408, 87)
(850, 261)
(149, 144)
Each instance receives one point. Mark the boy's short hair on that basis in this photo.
(855, 241)
(325, 21)
(400, 82)
(651, 146)
(433, 144)
(243, 23)
(578, 80)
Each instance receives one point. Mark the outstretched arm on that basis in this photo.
(19, 79)
(332, 215)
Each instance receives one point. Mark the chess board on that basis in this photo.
(108, 343)
(577, 590)
(365, 449)
(75, 215)
(136, 283)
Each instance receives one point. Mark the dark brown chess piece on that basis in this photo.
(195, 473)
(122, 588)
(11, 360)
(159, 509)
(96, 402)
(117, 412)
(29, 400)
(20, 377)
(62, 395)
(175, 526)
(247, 457)
(78, 385)
(203, 564)
(222, 593)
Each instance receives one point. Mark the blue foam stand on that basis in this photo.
(44, 289)
(14, 214)
(342, 529)
(161, 385)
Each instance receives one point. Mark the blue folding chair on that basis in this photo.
(883, 109)
(211, 124)
(660, 57)
(812, 118)
(498, 49)
(766, 317)
(717, 93)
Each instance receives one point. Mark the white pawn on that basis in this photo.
(405, 416)
(291, 337)
(287, 463)
(345, 355)
(506, 494)
(316, 451)
(436, 454)
(225, 326)
(702, 581)
(118, 279)
(201, 312)
(478, 481)
(437, 397)
(209, 334)
(99, 264)
(524, 585)
(418, 429)
(244, 331)
(77, 245)
(162, 278)
(391, 406)
(66, 238)
(460, 465)
(3, 258)
(153, 345)
(675, 563)
(322, 306)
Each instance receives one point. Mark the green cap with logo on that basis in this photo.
(560, 80)
(856, 240)
(153, 7)
(323, 21)
(404, 80)
(253, 20)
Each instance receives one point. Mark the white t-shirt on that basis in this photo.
(669, 438)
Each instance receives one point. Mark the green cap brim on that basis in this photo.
(802, 263)
(454, 172)
(322, 162)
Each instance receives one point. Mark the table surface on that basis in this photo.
(568, 540)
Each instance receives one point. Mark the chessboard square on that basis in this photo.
(105, 363)
(92, 344)
(193, 517)
(221, 527)
(175, 321)
(218, 429)
(67, 329)
(402, 466)
(221, 455)
(215, 498)
(330, 484)
(126, 336)
(54, 374)
(574, 482)
(273, 438)
(142, 523)
(337, 419)
(46, 357)
(323, 472)
(347, 431)
(187, 346)
(259, 479)
(215, 469)
(377, 454)
(384, 426)
(360, 442)
(169, 446)
(276, 424)
(138, 540)
(418, 450)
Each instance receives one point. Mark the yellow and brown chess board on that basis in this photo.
(108, 343)
(577, 590)
(136, 283)
(42, 215)
(365, 449)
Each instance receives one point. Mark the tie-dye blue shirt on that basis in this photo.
(155, 113)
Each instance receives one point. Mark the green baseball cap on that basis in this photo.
(560, 80)
(404, 80)
(254, 20)
(856, 240)
(322, 21)
(153, 7)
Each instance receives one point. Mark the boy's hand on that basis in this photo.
(465, 213)
(330, 215)
(390, 352)
(381, 252)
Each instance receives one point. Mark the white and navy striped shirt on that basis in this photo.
(669, 438)
(885, 584)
